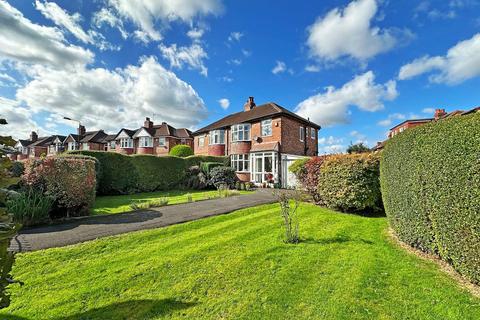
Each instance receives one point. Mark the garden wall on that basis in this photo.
(430, 181)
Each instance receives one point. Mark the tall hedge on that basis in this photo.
(430, 179)
(121, 174)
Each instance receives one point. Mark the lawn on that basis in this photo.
(119, 204)
(236, 266)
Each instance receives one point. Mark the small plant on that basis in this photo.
(144, 205)
(160, 202)
(289, 203)
(30, 207)
(189, 198)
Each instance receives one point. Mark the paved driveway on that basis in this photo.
(89, 228)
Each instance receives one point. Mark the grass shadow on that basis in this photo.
(132, 309)
(335, 240)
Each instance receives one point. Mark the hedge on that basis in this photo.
(181, 150)
(122, 174)
(430, 180)
(69, 181)
(350, 183)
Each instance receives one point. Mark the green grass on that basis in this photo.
(236, 266)
(119, 204)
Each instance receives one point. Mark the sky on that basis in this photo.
(356, 68)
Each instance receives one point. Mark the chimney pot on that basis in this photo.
(81, 130)
(249, 105)
(148, 124)
(33, 136)
(439, 113)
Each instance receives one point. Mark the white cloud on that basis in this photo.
(27, 42)
(236, 62)
(195, 34)
(246, 52)
(224, 103)
(462, 62)
(331, 107)
(280, 67)
(329, 140)
(330, 144)
(312, 68)
(235, 36)
(132, 93)
(332, 149)
(192, 56)
(19, 119)
(106, 16)
(389, 121)
(226, 79)
(429, 111)
(146, 13)
(348, 33)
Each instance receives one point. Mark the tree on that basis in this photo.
(358, 148)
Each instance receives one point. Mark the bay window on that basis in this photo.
(240, 162)
(241, 132)
(126, 143)
(217, 137)
(145, 142)
(266, 127)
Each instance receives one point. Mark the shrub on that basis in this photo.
(430, 178)
(289, 214)
(309, 179)
(223, 177)
(195, 179)
(157, 173)
(206, 167)
(197, 160)
(358, 148)
(68, 181)
(181, 150)
(224, 192)
(350, 183)
(17, 169)
(30, 208)
(298, 168)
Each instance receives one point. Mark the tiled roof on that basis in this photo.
(42, 142)
(164, 130)
(25, 143)
(93, 136)
(256, 113)
(183, 133)
(413, 121)
(268, 146)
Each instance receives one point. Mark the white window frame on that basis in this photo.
(72, 146)
(145, 142)
(241, 162)
(241, 132)
(162, 141)
(266, 127)
(126, 143)
(217, 137)
(313, 133)
(301, 131)
(201, 141)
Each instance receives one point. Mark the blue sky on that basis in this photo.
(355, 67)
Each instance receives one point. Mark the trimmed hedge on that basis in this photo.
(206, 167)
(122, 174)
(350, 183)
(430, 179)
(181, 150)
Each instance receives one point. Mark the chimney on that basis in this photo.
(81, 130)
(439, 113)
(33, 136)
(163, 122)
(249, 105)
(148, 124)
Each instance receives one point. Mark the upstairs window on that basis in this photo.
(126, 143)
(302, 133)
(266, 127)
(313, 133)
(217, 137)
(161, 141)
(145, 142)
(241, 132)
(201, 141)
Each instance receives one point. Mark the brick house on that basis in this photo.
(85, 140)
(151, 139)
(261, 141)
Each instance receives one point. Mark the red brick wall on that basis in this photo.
(216, 150)
(240, 147)
(290, 141)
(406, 126)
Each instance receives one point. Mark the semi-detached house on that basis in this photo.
(261, 141)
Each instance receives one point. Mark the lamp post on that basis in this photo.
(79, 128)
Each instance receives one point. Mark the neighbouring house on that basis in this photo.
(56, 145)
(261, 141)
(439, 114)
(86, 140)
(39, 147)
(21, 147)
(151, 139)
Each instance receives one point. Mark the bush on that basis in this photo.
(289, 214)
(68, 181)
(157, 173)
(198, 160)
(195, 179)
(298, 168)
(206, 167)
(350, 183)
(222, 177)
(17, 169)
(430, 178)
(30, 207)
(309, 178)
(181, 150)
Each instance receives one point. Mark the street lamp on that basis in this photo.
(70, 119)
